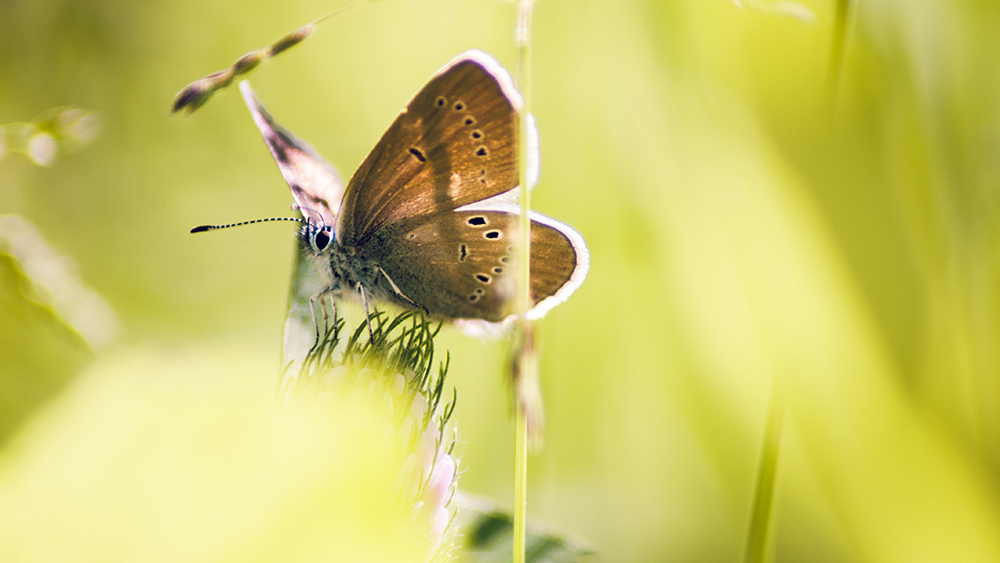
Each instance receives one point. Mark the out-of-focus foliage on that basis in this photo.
(175, 457)
(394, 371)
(749, 227)
(41, 138)
(43, 350)
(488, 535)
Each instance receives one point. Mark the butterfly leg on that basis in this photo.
(400, 293)
(333, 305)
(368, 317)
(322, 334)
(315, 300)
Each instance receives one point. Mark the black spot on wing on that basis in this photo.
(278, 147)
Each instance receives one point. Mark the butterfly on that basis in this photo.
(429, 220)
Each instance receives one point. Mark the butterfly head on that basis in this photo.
(316, 230)
(320, 236)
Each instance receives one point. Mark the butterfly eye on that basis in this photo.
(321, 239)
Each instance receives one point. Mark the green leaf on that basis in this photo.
(41, 352)
(487, 536)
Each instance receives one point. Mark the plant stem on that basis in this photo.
(838, 49)
(526, 369)
(339, 10)
(522, 78)
(760, 518)
(520, 485)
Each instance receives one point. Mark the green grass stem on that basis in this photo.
(838, 49)
(526, 372)
(763, 502)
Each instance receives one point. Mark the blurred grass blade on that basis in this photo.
(760, 517)
(40, 354)
(52, 282)
(794, 10)
(51, 322)
(838, 49)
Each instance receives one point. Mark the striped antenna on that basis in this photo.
(203, 228)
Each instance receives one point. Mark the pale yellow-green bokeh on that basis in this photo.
(751, 227)
(156, 456)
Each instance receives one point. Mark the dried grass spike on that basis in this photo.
(249, 61)
(194, 95)
(291, 40)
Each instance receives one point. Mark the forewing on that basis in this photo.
(455, 143)
(462, 265)
(315, 184)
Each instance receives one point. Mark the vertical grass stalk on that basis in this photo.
(838, 48)
(526, 367)
(760, 517)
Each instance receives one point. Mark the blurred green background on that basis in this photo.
(751, 228)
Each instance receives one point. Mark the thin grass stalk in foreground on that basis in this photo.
(526, 372)
(841, 32)
(763, 502)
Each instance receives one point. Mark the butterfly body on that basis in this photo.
(346, 270)
(428, 221)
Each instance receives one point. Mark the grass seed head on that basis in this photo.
(291, 40)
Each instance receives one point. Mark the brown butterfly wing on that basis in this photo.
(455, 143)
(461, 265)
(316, 186)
